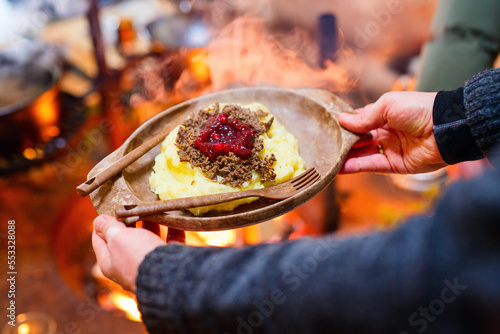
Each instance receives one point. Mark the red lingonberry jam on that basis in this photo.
(222, 135)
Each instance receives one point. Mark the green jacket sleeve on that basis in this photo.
(465, 41)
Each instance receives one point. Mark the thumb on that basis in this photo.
(366, 119)
(106, 227)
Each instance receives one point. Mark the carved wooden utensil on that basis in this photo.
(311, 115)
(104, 175)
(130, 213)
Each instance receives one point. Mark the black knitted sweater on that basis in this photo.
(467, 120)
(438, 274)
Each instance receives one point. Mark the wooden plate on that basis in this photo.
(309, 114)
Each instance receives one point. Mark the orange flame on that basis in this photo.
(45, 112)
(126, 304)
(219, 238)
(121, 300)
(197, 63)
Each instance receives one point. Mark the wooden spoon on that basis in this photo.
(96, 181)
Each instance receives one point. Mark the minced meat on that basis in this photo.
(233, 169)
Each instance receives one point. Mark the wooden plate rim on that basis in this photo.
(332, 104)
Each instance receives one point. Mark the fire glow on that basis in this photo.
(123, 301)
(220, 238)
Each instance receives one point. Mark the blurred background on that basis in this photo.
(78, 77)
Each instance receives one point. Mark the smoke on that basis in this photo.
(253, 46)
(245, 54)
(410, 26)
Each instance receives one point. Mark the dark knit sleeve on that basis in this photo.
(467, 120)
(451, 130)
(386, 282)
(482, 107)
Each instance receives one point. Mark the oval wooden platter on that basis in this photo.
(311, 115)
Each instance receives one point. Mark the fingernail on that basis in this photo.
(98, 222)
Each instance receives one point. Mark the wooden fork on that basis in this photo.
(130, 213)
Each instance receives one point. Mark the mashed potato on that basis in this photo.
(172, 178)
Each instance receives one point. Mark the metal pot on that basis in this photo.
(29, 100)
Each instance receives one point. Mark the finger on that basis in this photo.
(369, 118)
(360, 110)
(371, 163)
(363, 151)
(101, 252)
(350, 165)
(106, 227)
